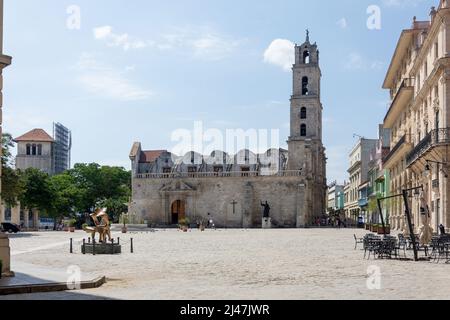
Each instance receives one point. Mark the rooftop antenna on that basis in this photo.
(358, 136)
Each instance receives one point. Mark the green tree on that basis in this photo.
(38, 193)
(12, 186)
(102, 186)
(7, 145)
(66, 195)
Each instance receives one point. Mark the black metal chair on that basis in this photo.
(358, 241)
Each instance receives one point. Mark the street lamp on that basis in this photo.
(428, 168)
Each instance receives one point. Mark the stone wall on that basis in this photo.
(153, 198)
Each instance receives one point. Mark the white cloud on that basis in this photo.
(355, 61)
(281, 53)
(200, 42)
(105, 81)
(112, 39)
(342, 23)
(401, 3)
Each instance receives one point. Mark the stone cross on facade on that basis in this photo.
(234, 203)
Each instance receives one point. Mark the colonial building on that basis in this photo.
(230, 188)
(418, 79)
(358, 172)
(379, 179)
(335, 202)
(4, 62)
(35, 149)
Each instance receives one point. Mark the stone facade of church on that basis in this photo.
(229, 189)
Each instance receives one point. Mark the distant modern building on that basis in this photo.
(62, 147)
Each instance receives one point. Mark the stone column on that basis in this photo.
(4, 62)
(26, 218)
(15, 214)
(36, 219)
(2, 212)
(301, 206)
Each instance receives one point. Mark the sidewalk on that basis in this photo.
(31, 279)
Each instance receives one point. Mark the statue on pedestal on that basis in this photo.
(102, 227)
(266, 209)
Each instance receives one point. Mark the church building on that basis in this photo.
(232, 189)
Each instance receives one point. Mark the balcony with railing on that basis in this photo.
(205, 175)
(402, 147)
(436, 138)
(401, 96)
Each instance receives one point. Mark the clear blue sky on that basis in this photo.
(138, 70)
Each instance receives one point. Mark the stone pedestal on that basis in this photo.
(5, 255)
(267, 223)
(15, 215)
(101, 248)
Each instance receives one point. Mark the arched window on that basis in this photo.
(306, 57)
(39, 149)
(303, 130)
(33, 150)
(28, 149)
(305, 86)
(303, 113)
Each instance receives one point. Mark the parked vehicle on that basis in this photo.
(10, 227)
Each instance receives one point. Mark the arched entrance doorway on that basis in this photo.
(178, 211)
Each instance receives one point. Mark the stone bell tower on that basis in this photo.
(306, 151)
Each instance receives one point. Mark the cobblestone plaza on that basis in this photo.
(234, 264)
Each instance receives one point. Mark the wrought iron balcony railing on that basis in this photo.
(433, 139)
(395, 149)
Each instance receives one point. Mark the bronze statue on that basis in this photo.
(101, 227)
(266, 209)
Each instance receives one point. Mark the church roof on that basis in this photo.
(38, 135)
(150, 156)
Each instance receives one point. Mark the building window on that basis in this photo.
(39, 150)
(303, 113)
(436, 50)
(245, 171)
(305, 90)
(167, 170)
(218, 170)
(303, 130)
(192, 171)
(436, 121)
(28, 149)
(33, 150)
(306, 57)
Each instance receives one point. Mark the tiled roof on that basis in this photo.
(37, 135)
(150, 156)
